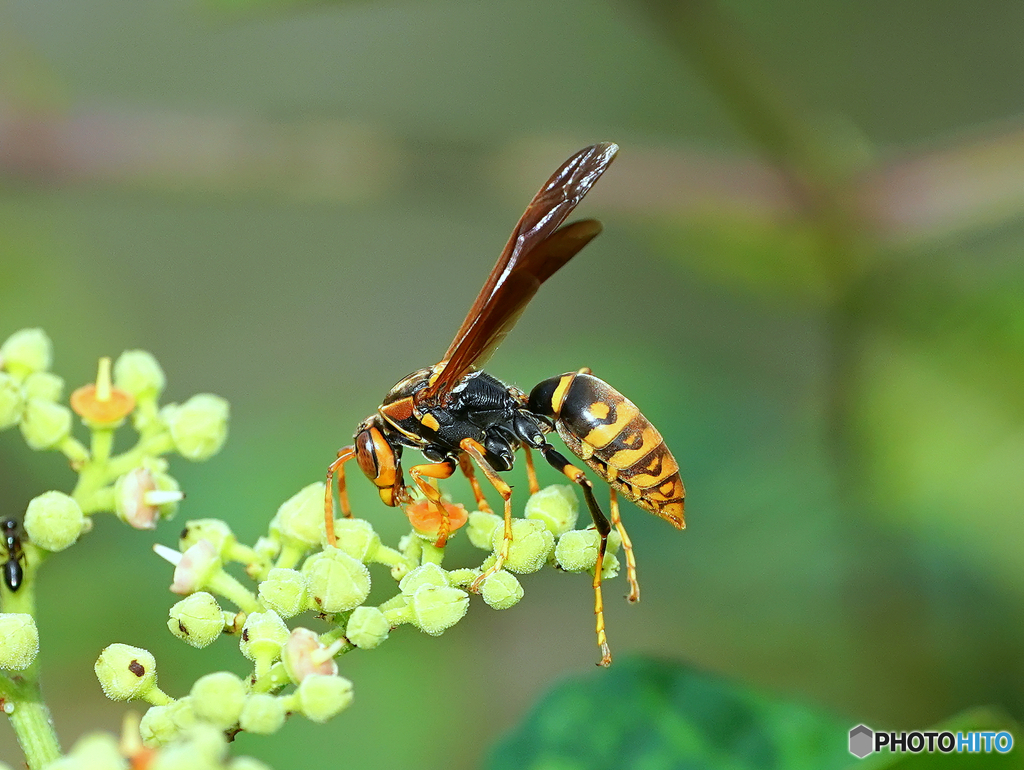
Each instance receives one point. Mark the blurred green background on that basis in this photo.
(810, 280)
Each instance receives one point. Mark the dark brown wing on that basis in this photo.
(534, 252)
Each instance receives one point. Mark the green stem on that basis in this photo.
(231, 589)
(292, 552)
(151, 446)
(338, 632)
(396, 560)
(74, 450)
(156, 697)
(30, 718)
(102, 443)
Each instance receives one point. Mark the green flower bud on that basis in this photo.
(162, 724)
(482, 527)
(218, 698)
(98, 751)
(20, 641)
(577, 550)
(54, 521)
(610, 566)
(301, 516)
(321, 697)
(46, 386)
(197, 619)
(138, 372)
(532, 543)
(436, 608)
(201, 747)
(284, 591)
(198, 427)
(336, 582)
(367, 628)
(355, 536)
(304, 655)
(125, 672)
(556, 506)
(11, 402)
(26, 351)
(396, 610)
(141, 496)
(267, 549)
(45, 424)
(501, 590)
(460, 578)
(262, 713)
(215, 531)
(427, 575)
(263, 635)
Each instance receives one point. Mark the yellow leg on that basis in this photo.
(577, 476)
(420, 474)
(602, 637)
(467, 469)
(475, 450)
(627, 547)
(531, 472)
(344, 455)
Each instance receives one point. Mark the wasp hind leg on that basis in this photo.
(627, 548)
(574, 474)
(336, 469)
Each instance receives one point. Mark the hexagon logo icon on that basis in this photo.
(862, 739)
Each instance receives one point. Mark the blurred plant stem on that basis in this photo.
(817, 165)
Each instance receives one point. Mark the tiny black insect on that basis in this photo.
(13, 572)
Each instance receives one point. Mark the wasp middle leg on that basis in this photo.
(476, 450)
(466, 466)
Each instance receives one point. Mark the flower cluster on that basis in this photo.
(267, 594)
(294, 572)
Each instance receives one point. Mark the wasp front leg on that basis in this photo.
(442, 470)
(337, 469)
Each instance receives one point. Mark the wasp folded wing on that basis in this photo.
(537, 248)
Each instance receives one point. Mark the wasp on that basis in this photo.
(13, 571)
(459, 416)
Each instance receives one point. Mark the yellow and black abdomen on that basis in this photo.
(606, 430)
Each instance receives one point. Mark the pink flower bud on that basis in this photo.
(304, 654)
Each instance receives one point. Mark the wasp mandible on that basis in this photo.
(457, 415)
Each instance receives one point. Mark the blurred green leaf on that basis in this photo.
(650, 714)
(758, 256)
(938, 413)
